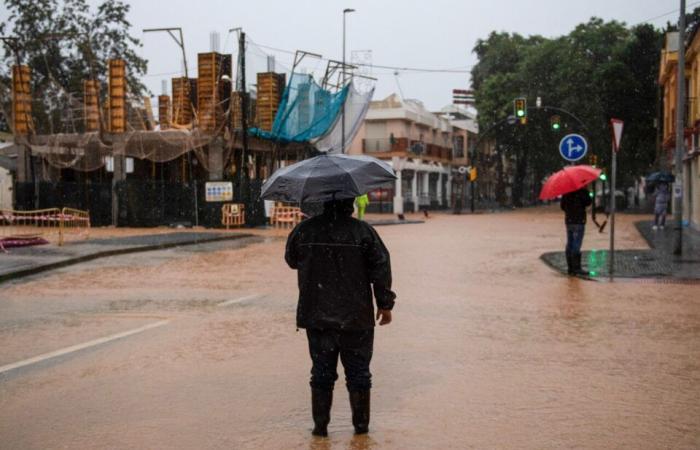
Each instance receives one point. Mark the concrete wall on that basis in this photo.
(5, 189)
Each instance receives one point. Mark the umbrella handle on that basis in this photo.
(593, 217)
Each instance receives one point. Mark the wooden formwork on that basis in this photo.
(213, 93)
(116, 120)
(21, 100)
(164, 111)
(91, 113)
(270, 89)
(182, 104)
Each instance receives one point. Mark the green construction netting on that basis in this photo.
(307, 111)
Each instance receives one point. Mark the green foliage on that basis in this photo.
(598, 71)
(66, 42)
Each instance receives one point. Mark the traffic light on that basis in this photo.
(520, 107)
(603, 177)
(472, 174)
(555, 122)
(593, 160)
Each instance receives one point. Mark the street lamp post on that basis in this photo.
(342, 146)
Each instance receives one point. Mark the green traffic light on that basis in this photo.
(603, 177)
(590, 194)
(520, 113)
(555, 126)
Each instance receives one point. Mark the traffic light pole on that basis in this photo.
(471, 188)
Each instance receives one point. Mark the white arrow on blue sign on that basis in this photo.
(573, 147)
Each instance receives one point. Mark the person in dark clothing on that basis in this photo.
(340, 261)
(574, 205)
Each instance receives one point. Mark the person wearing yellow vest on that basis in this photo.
(361, 202)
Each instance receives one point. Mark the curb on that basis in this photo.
(114, 252)
(560, 271)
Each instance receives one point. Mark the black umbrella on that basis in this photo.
(327, 177)
(660, 177)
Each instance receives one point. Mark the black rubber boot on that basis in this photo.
(321, 401)
(576, 258)
(569, 264)
(359, 403)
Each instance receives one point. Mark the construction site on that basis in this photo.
(200, 153)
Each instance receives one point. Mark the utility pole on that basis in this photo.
(244, 107)
(680, 139)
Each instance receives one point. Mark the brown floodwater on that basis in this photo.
(489, 348)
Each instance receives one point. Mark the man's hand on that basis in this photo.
(384, 316)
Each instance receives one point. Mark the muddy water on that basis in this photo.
(489, 349)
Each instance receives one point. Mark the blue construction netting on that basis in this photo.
(307, 111)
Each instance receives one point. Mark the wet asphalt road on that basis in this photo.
(196, 348)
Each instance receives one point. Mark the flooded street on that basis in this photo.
(489, 348)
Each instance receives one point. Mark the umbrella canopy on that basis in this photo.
(569, 179)
(327, 177)
(660, 177)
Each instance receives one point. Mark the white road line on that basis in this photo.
(239, 300)
(75, 348)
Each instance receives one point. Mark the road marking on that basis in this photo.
(78, 347)
(239, 300)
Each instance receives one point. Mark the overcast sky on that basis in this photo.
(435, 34)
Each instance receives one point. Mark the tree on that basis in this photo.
(598, 71)
(64, 43)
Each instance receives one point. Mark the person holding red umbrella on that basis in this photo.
(571, 183)
(574, 205)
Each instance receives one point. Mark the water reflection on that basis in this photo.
(362, 442)
(319, 443)
(357, 442)
(572, 300)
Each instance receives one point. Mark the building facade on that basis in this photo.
(668, 82)
(424, 148)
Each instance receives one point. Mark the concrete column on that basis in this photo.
(414, 191)
(398, 196)
(448, 188)
(118, 175)
(426, 188)
(23, 168)
(215, 159)
(439, 190)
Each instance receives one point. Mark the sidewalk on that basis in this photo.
(657, 262)
(25, 261)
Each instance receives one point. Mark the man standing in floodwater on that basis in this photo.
(574, 205)
(340, 262)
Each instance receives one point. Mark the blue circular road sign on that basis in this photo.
(573, 147)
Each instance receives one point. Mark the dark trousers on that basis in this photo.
(574, 238)
(355, 351)
(660, 219)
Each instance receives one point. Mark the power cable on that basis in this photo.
(666, 14)
(380, 66)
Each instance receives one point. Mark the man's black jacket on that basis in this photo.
(339, 259)
(574, 205)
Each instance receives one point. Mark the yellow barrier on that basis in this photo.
(50, 224)
(74, 222)
(285, 216)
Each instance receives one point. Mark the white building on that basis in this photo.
(424, 149)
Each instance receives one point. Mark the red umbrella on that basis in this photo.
(569, 179)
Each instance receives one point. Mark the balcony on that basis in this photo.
(383, 145)
(405, 147)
